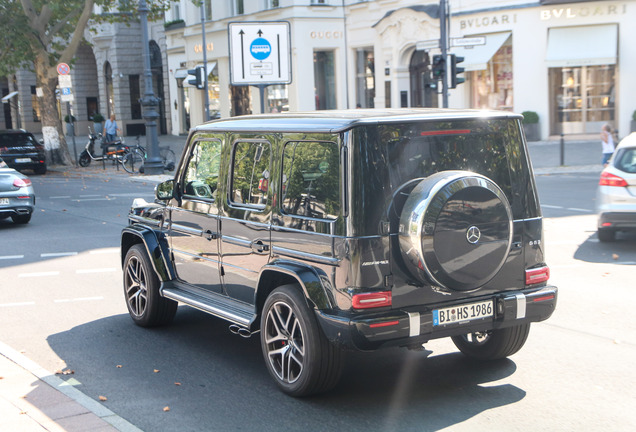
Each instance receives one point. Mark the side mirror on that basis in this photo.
(165, 191)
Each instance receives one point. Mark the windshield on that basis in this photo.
(17, 141)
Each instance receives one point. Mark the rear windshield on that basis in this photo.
(396, 155)
(17, 141)
(626, 160)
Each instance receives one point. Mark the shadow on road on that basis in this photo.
(207, 376)
(608, 253)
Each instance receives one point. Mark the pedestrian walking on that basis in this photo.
(607, 143)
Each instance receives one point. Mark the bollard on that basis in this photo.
(562, 150)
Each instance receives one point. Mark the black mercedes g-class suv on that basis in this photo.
(336, 230)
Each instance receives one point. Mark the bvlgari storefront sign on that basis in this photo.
(572, 12)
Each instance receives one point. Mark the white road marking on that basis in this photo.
(57, 254)
(93, 199)
(8, 257)
(99, 270)
(17, 304)
(78, 299)
(60, 197)
(89, 196)
(567, 208)
(39, 274)
(104, 251)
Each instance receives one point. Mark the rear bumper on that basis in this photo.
(414, 326)
(617, 220)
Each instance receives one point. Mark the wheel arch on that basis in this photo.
(309, 279)
(155, 245)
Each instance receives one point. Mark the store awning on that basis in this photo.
(477, 57)
(582, 46)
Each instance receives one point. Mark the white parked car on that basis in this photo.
(616, 196)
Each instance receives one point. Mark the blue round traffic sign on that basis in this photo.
(260, 49)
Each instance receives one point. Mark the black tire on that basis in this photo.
(84, 159)
(141, 289)
(21, 219)
(132, 162)
(40, 170)
(297, 354)
(606, 235)
(494, 344)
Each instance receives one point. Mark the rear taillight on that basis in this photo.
(20, 183)
(537, 275)
(372, 300)
(608, 179)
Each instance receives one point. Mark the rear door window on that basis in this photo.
(17, 141)
(251, 168)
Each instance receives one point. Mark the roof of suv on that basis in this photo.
(14, 132)
(339, 120)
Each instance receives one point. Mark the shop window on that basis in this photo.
(387, 94)
(135, 96)
(250, 173)
(365, 77)
(311, 179)
(35, 105)
(324, 80)
(91, 107)
(202, 174)
(492, 88)
(214, 92)
(208, 10)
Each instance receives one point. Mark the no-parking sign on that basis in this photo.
(260, 53)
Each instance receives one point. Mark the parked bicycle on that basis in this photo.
(166, 154)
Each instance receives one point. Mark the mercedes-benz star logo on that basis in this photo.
(473, 234)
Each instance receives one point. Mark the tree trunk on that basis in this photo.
(54, 142)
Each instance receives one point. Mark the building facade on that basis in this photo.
(566, 60)
(107, 76)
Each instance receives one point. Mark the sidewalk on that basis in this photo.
(34, 400)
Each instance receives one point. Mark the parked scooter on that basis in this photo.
(114, 150)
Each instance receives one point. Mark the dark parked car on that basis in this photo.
(347, 230)
(20, 150)
(17, 198)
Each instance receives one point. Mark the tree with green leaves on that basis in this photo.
(40, 34)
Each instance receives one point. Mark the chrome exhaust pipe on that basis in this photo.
(241, 331)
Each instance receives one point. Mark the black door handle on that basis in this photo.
(210, 235)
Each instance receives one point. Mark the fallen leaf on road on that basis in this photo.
(156, 371)
(103, 398)
(119, 366)
(166, 409)
(615, 256)
(177, 383)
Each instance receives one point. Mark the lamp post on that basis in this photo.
(149, 102)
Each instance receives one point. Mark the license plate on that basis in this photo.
(463, 313)
(22, 160)
(4, 201)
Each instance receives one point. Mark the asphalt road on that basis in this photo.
(61, 304)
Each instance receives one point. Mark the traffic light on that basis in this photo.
(439, 67)
(199, 77)
(454, 70)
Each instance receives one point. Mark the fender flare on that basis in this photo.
(156, 246)
(313, 281)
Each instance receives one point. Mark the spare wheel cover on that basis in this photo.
(456, 230)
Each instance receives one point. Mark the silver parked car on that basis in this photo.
(616, 196)
(17, 198)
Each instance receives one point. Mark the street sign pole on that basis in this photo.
(72, 123)
(66, 85)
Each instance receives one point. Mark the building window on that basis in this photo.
(365, 78)
(387, 94)
(271, 4)
(277, 98)
(492, 87)
(311, 179)
(324, 80)
(208, 10)
(135, 96)
(239, 8)
(35, 105)
(176, 12)
(582, 98)
(91, 107)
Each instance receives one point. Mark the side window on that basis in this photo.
(250, 173)
(311, 179)
(202, 173)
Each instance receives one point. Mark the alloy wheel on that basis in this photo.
(136, 292)
(285, 342)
